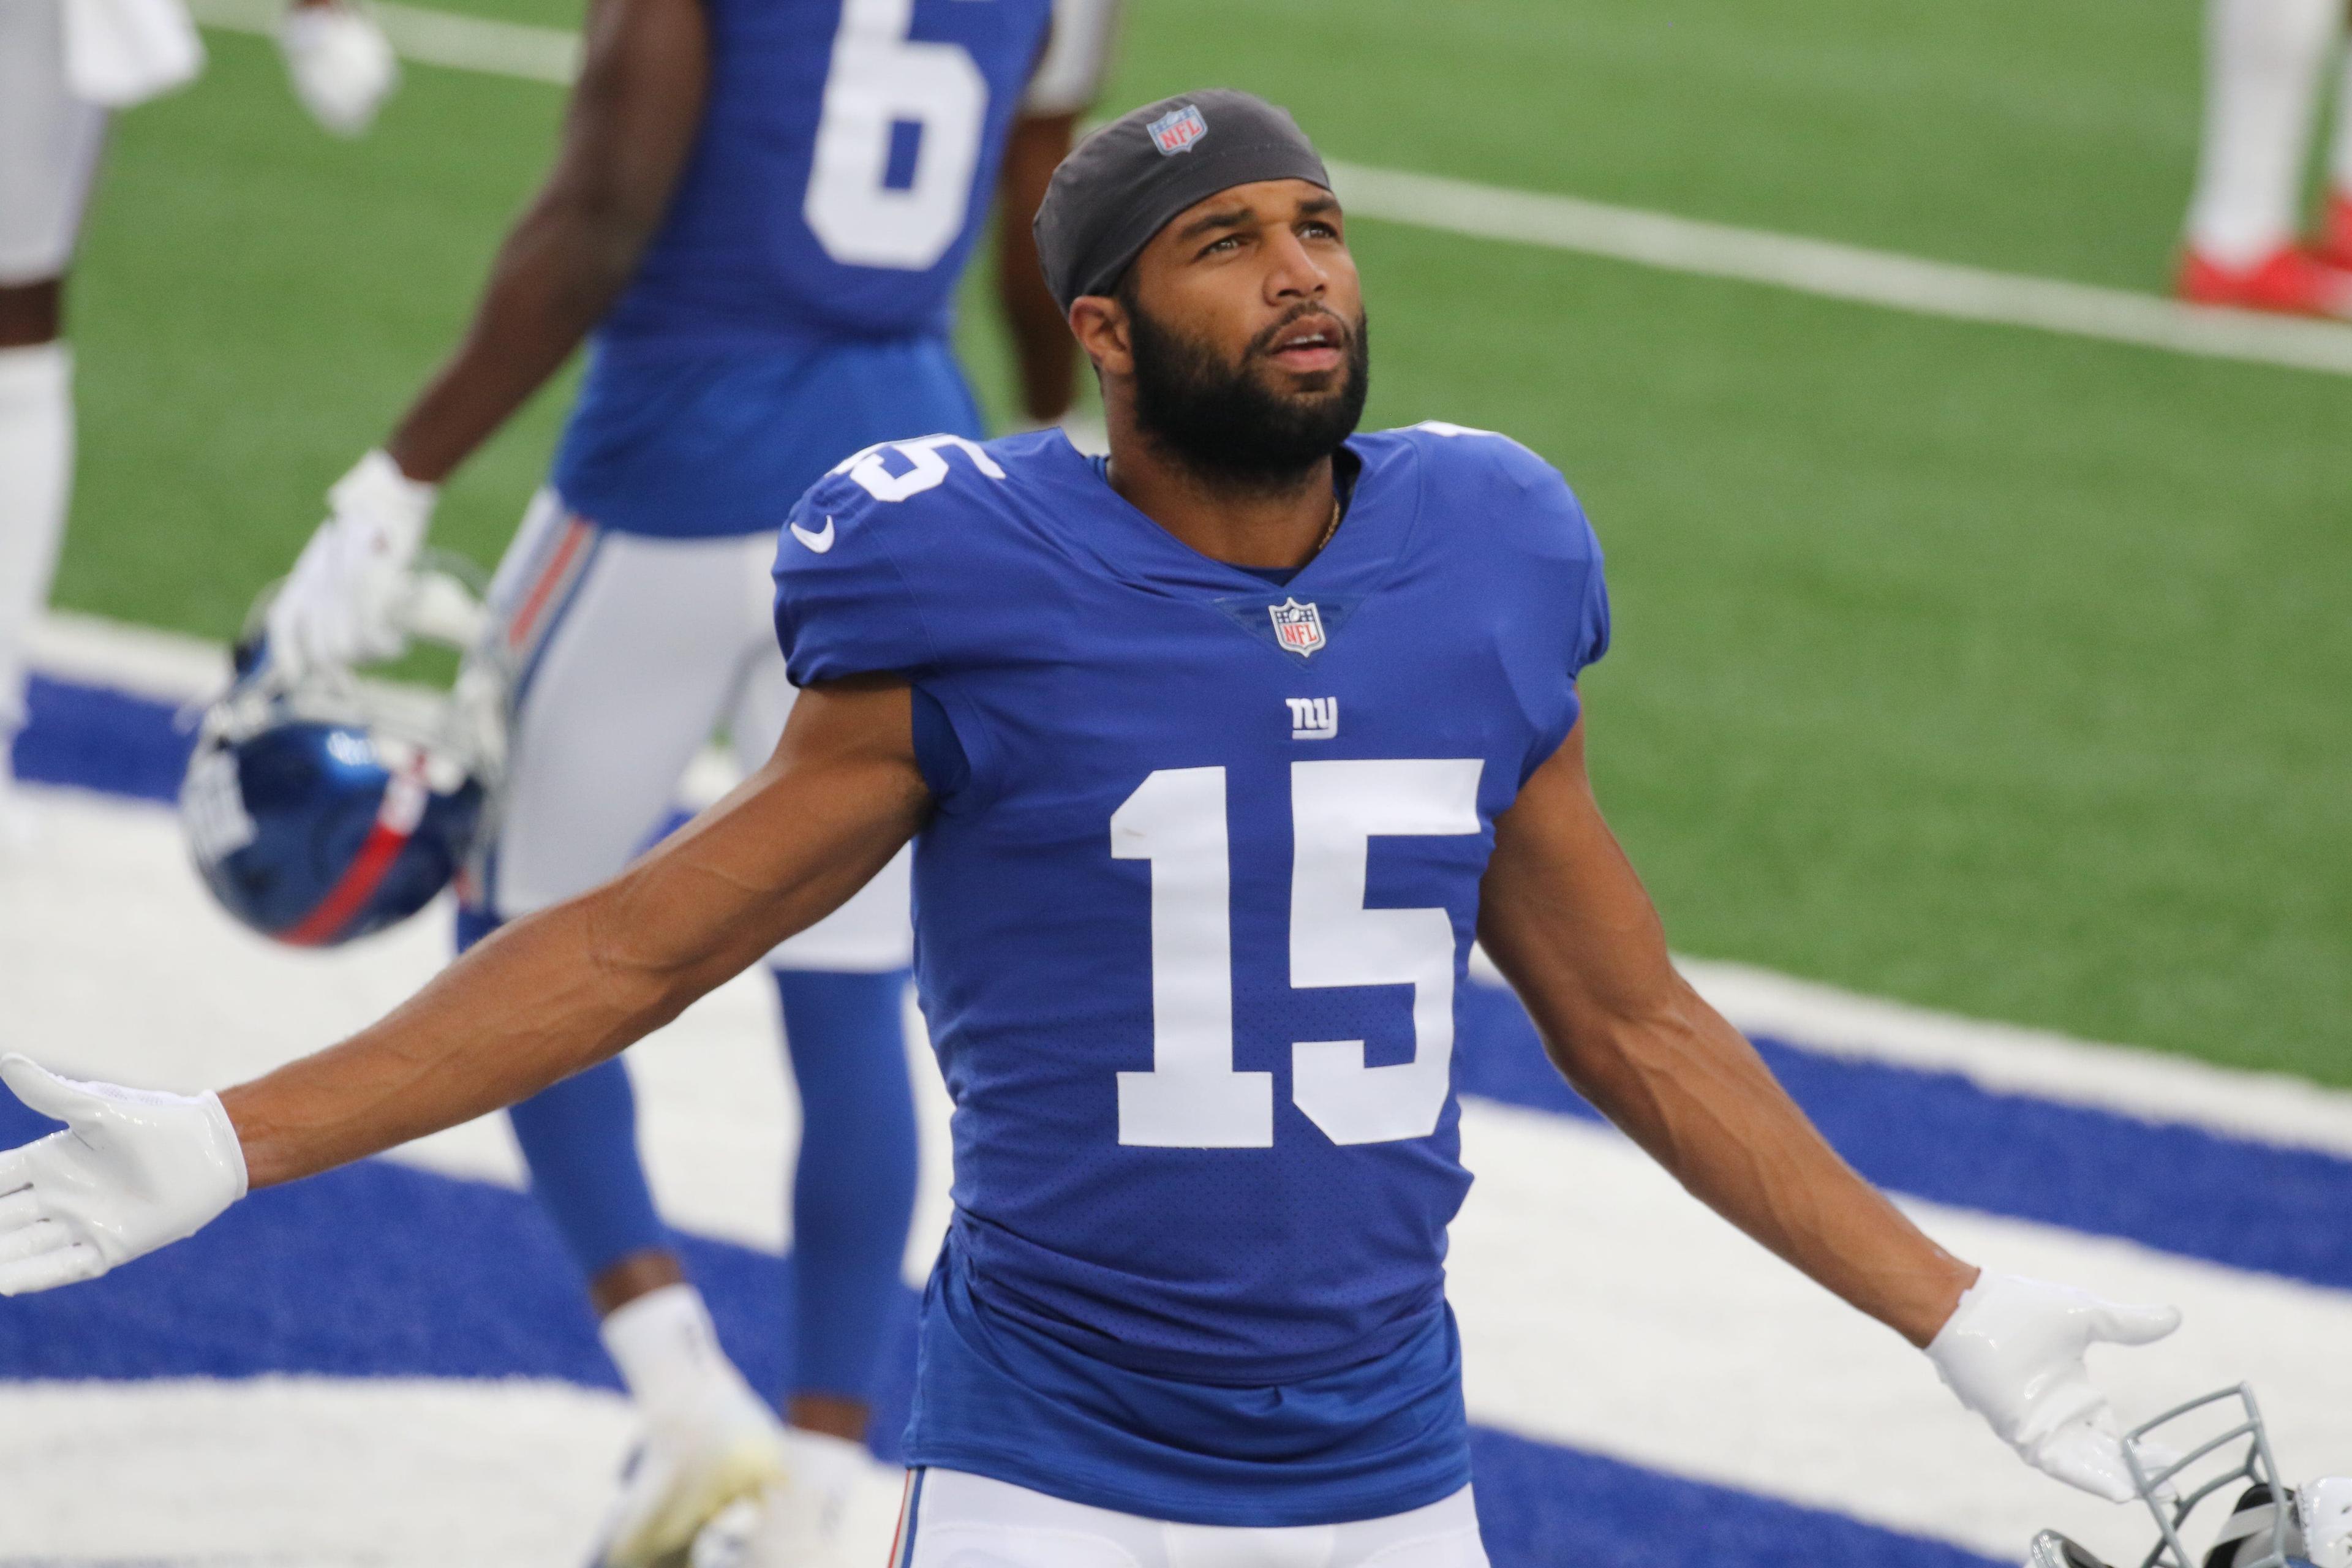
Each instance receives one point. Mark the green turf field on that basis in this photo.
(1995, 671)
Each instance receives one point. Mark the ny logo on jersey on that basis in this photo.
(1176, 130)
(1314, 717)
(1298, 628)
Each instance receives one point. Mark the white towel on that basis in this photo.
(122, 52)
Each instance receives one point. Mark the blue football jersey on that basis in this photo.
(1190, 926)
(845, 168)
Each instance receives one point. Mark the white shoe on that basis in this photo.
(687, 1472)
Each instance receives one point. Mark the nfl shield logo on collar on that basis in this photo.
(1176, 130)
(1298, 628)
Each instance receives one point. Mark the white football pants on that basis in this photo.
(50, 143)
(634, 652)
(959, 1521)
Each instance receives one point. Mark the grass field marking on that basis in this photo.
(1660, 240)
(432, 38)
(1836, 271)
(2003, 1057)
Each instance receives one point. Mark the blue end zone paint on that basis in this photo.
(379, 1270)
(1942, 1137)
(1541, 1504)
(91, 738)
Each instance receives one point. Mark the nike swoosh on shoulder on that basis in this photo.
(819, 542)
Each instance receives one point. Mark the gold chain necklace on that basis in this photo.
(1331, 528)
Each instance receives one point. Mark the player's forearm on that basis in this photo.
(559, 272)
(1684, 1085)
(1046, 359)
(560, 991)
(544, 998)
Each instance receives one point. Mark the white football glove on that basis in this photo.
(341, 65)
(132, 1170)
(2324, 1509)
(2013, 1352)
(340, 605)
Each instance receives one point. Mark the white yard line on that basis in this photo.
(1848, 272)
(432, 38)
(1852, 273)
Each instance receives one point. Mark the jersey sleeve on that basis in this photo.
(1076, 62)
(1550, 570)
(844, 606)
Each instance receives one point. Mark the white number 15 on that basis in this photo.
(1192, 1098)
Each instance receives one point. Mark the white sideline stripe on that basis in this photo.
(1836, 271)
(2003, 1057)
(329, 1473)
(432, 38)
(1852, 273)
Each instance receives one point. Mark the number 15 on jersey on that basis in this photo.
(1193, 1098)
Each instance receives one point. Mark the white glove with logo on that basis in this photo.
(341, 604)
(132, 1170)
(2013, 1352)
(341, 65)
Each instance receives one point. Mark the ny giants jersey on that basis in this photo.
(845, 164)
(1192, 921)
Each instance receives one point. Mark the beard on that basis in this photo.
(1221, 420)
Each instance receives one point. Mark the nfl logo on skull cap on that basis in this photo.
(1176, 130)
(1298, 628)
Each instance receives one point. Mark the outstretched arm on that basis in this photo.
(1567, 922)
(550, 995)
(566, 988)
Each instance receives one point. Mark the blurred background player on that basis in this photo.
(65, 66)
(2264, 61)
(1068, 80)
(762, 214)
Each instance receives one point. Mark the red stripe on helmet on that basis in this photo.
(395, 822)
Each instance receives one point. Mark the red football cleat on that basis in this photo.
(2294, 281)
(2334, 247)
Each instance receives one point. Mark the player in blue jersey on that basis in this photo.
(761, 211)
(1214, 756)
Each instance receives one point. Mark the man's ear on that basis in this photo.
(1100, 323)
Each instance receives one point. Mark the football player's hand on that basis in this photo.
(341, 605)
(2013, 1352)
(341, 65)
(132, 1170)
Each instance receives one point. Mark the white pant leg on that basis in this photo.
(631, 650)
(37, 443)
(871, 933)
(50, 143)
(960, 1520)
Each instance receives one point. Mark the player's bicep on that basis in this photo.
(635, 111)
(1564, 916)
(840, 794)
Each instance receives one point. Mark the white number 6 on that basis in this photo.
(880, 79)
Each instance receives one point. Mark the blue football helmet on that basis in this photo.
(321, 807)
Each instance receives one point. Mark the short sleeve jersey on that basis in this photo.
(1191, 927)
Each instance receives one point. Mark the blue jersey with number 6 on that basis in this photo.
(1192, 919)
(846, 160)
(795, 303)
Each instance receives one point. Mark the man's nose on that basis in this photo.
(1297, 273)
